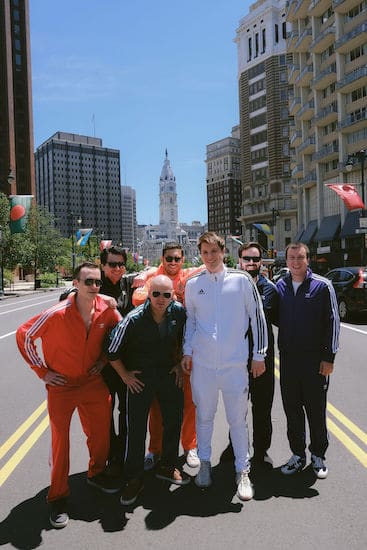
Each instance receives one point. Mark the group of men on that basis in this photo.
(193, 333)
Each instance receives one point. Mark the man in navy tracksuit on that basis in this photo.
(307, 340)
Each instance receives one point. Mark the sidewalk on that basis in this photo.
(22, 288)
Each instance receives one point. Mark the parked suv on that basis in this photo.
(350, 284)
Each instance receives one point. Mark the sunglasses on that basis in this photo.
(116, 264)
(170, 259)
(156, 293)
(249, 258)
(91, 282)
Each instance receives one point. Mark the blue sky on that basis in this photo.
(155, 74)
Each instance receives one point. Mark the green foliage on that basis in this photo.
(40, 248)
(230, 261)
(131, 266)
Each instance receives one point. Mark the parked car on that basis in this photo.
(350, 284)
(280, 274)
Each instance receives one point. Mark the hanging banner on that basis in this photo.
(105, 244)
(82, 236)
(348, 194)
(265, 229)
(20, 206)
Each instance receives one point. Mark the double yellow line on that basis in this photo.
(339, 432)
(24, 448)
(37, 431)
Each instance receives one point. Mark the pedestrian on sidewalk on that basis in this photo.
(145, 349)
(221, 305)
(72, 334)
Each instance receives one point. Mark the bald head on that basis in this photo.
(160, 294)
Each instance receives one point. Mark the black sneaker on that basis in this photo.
(59, 517)
(131, 491)
(172, 474)
(295, 464)
(104, 483)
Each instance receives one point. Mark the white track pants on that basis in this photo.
(233, 383)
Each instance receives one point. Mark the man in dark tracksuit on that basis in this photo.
(145, 350)
(307, 340)
(262, 387)
(117, 284)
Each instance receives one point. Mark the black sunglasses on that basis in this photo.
(170, 259)
(156, 293)
(249, 258)
(116, 264)
(91, 282)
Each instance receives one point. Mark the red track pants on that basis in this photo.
(92, 400)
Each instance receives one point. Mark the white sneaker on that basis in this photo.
(319, 467)
(150, 461)
(295, 464)
(192, 458)
(245, 490)
(204, 478)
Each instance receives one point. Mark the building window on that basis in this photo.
(256, 44)
(276, 30)
(263, 33)
(287, 224)
(284, 30)
(249, 56)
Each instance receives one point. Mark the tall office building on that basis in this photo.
(264, 123)
(328, 72)
(79, 179)
(128, 213)
(16, 123)
(223, 185)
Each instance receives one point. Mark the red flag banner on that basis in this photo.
(348, 194)
(20, 206)
(105, 244)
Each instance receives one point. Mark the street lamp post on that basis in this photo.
(360, 157)
(73, 252)
(274, 214)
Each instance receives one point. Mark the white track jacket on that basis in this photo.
(220, 307)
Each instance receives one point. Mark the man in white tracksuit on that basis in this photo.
(221, 304)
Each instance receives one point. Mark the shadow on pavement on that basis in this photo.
(24, 525)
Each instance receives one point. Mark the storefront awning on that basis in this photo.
(309, 233)
(299, 234)
(329, 228)
(351, 223)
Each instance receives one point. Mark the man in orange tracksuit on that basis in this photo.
(171, 266)
(72, 334)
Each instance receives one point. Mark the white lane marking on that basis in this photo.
(354, 329)
(28, 306)
(6, 335)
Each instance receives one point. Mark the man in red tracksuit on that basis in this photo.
(72, 334)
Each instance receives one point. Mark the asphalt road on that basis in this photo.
(298, 512)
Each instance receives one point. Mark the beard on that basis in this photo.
(253, 272)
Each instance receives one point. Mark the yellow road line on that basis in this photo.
(339, 434)
(13, 462)
(22, 429)
(347, 423)
(348, 442)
